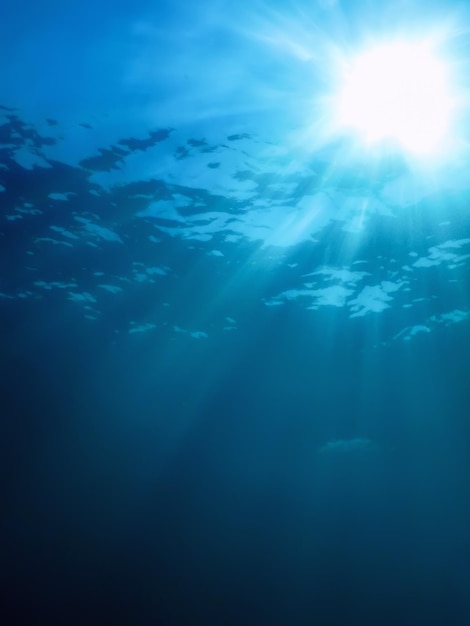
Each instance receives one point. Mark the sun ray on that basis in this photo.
(397, 92)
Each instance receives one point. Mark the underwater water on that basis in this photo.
(235, 340)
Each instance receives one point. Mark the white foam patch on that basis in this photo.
(141, 328)
(347, 446)
(373, 299)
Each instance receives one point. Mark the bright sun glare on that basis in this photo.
(398, 92)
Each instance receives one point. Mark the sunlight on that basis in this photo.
(397, 92)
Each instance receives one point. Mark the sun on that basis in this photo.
(397, 92)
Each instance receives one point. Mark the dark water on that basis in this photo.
(234, 375)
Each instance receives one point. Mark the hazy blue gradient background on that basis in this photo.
(234, 351)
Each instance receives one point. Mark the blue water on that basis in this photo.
(234, 351)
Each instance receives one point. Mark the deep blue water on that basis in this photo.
(234, 358)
